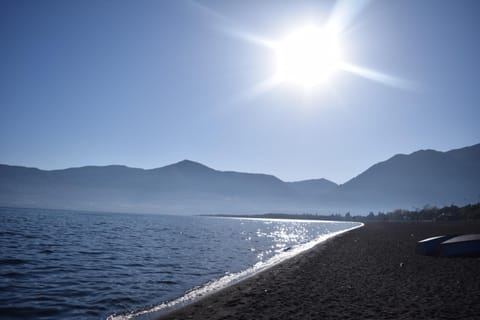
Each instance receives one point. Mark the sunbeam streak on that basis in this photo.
(378, 77)
(229, 27)
(344, 13)
(251, 38)
(209, 12)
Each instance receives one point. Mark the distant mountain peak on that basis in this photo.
(319, 180)
(189, 165)
(188, 162)
(314, 186)
(422, 177)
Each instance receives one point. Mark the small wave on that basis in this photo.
(91, 253)
(169, 282)
(9, 234)
(13, 262)
(117, 300)
(134, 265)
(13, 275)
(27, 312)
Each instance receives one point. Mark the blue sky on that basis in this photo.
(149, 83)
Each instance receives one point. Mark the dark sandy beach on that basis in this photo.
(368, 273)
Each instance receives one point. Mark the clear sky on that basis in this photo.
(149, 83)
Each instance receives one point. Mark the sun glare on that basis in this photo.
(307, 57)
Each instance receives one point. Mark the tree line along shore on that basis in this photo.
(427, 213)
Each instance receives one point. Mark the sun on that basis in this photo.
(307, 57)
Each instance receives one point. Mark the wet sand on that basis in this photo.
(368, 273)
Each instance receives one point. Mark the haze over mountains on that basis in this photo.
(425, 177)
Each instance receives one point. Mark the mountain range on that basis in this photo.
(425, 177)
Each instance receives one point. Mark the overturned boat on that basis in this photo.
(467, 245)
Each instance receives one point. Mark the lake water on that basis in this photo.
(57, 264)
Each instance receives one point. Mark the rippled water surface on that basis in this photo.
(77, 265)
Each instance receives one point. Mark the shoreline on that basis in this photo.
(369, 272)
(215, 286)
